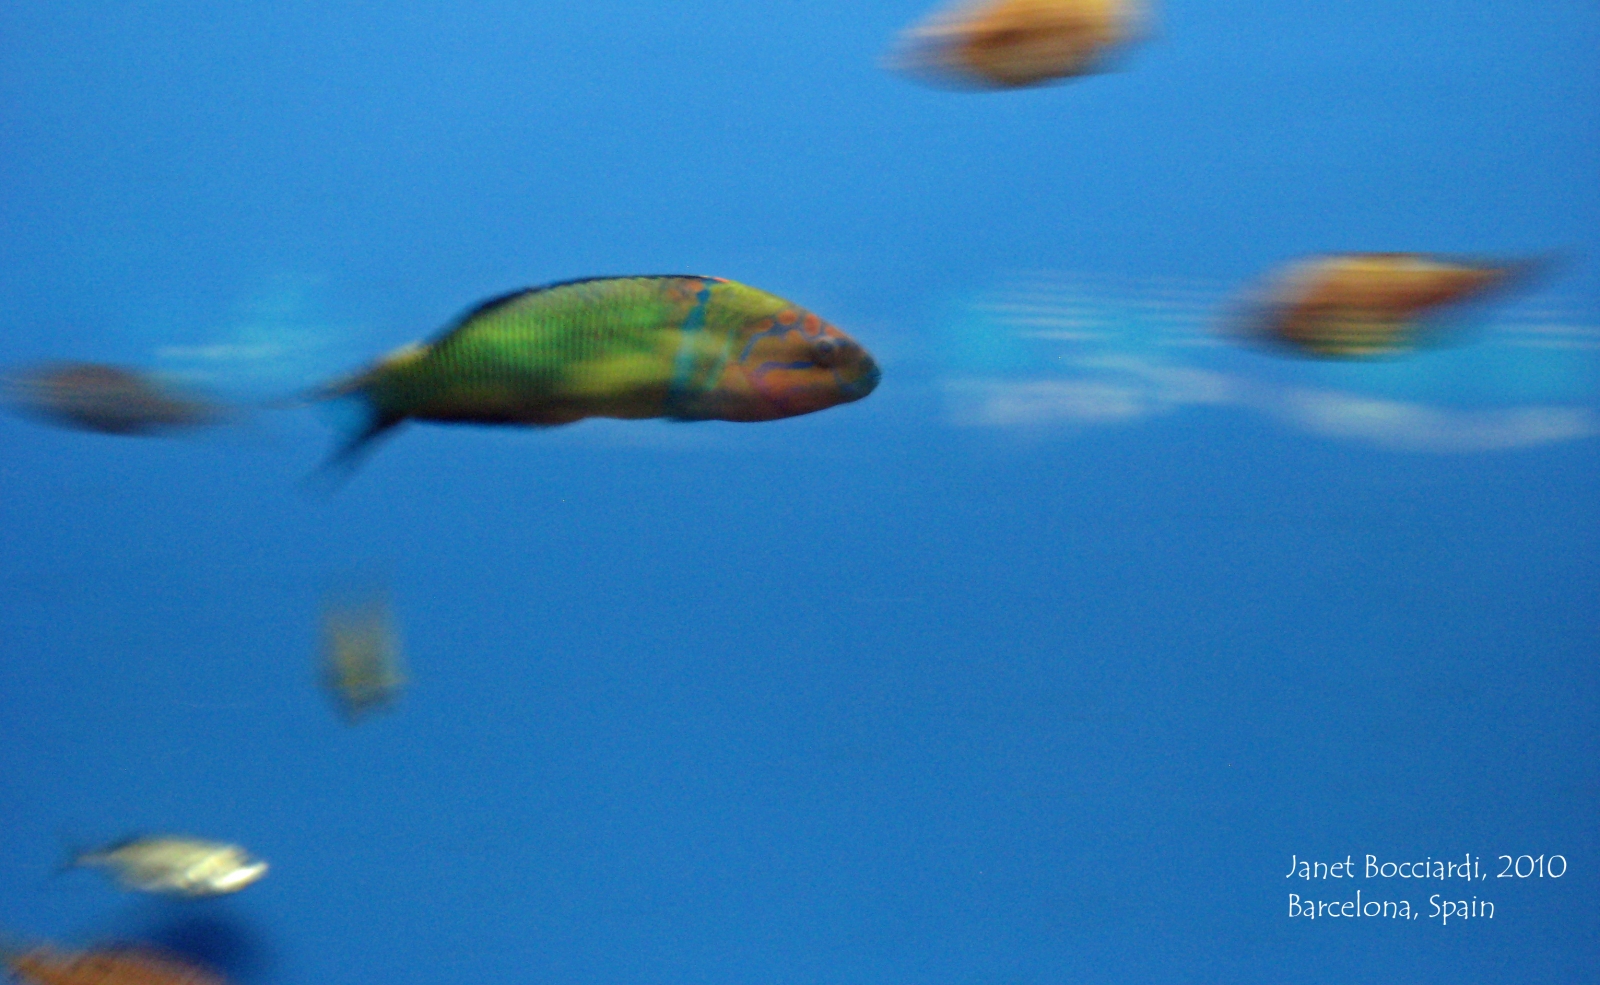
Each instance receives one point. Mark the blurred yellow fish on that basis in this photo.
(362, 667)
(1013, 43)
(1352, 305)
(176, 865)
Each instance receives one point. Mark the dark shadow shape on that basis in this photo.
(219, 941)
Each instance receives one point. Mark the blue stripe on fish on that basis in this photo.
(780, 330)
(694, 323)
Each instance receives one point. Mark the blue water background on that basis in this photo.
(938, 687)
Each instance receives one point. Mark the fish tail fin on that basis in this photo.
(342, 464)
(350, 385)
(360, 418)
(74, 854)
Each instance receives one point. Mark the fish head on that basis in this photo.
(793, 363)
(232, 878)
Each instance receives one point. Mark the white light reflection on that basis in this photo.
(1093, 351)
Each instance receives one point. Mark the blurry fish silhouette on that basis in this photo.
(1353, 305)
(229, 943)
(104, 966)
(175, 865)
(1013, 43)
(682, 347)
(362, 667)
(108, 399)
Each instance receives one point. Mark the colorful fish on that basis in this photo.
(1353, 305)
(108, 399)
(682, 347)
(1013, 43)
(104, 966)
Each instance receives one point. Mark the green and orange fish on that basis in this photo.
(681, 347)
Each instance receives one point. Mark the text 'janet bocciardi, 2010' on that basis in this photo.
(1444, 890)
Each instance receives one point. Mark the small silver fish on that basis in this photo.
(176, 865)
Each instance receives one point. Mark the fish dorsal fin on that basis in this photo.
(482, 308)
(511, 297)
(126, 841)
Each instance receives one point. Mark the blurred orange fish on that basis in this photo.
(1012, 43)
(1351, 305)
(105, 966)
(108, 399)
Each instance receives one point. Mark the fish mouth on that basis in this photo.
(865, 382)
(239, 878)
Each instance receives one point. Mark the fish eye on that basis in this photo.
(826, 353)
